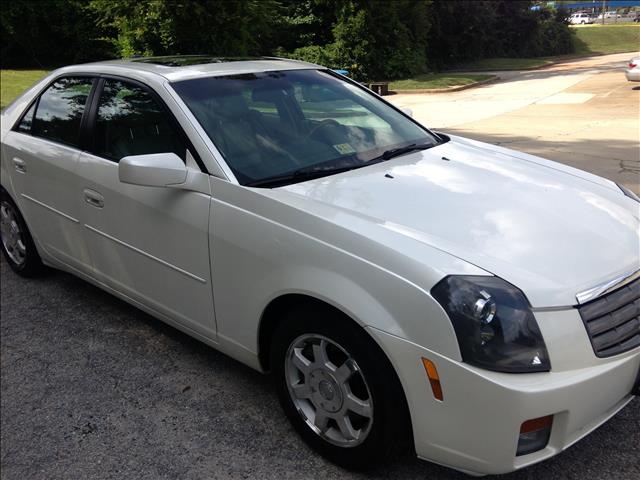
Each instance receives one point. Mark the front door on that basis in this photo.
(150, 243)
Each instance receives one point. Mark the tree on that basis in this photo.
(49, 33)
(375, 39)
(167, 27)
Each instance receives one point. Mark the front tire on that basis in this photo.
(339, 390)
(17, 244)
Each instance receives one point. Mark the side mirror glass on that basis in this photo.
(152, 170)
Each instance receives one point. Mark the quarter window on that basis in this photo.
(60, 110)
(131, 122)
(27, 120)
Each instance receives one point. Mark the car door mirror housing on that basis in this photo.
(407, 111)
(153, 170)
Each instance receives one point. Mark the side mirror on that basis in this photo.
(153, 170)
(407, 111)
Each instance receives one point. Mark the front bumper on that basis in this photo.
(475, 428)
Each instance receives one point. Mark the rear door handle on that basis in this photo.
(20, 165)
(93, 198)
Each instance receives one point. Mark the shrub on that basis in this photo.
(381, 40)
(324, 55)
(551, 37)
(474, 29)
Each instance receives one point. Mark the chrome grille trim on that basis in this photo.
(606, 287)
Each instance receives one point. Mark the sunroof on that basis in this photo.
(186, 60)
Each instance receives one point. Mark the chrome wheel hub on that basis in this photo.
(328, 390)
(325, 390)
(12, 238)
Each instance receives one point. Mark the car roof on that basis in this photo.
(155, 71)
(184, 67)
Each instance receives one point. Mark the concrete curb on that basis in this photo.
(540, 67)
(526, 69)
(493, 78)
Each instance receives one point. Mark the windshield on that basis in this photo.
(273, 124)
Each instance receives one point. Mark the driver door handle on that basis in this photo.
(20, 165)
(93, 198)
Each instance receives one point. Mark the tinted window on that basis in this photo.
(60, 110)
(27, 120)
(131, 122)
(275, 123)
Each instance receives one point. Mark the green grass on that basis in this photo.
(487, 64)
(587, 40)
(591, 39)
(14, 82)
(436, 80)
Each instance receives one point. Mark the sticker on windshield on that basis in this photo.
(344, 148)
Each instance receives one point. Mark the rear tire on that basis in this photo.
(332, 378)
(17, 244)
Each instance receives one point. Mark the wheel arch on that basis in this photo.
(350, 301)
(5, 179)
(275, 312)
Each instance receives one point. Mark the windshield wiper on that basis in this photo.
(300, 175)
(315, 171)
(396, 152)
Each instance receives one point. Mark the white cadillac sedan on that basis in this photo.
(408, 290)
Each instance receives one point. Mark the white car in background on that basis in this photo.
(633, 70)
(407, 289)
(580, 18)
(611, 14)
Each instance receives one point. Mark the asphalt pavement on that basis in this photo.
(581, 112)
(92, 388)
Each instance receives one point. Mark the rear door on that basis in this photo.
(150, 243)
(42, 154)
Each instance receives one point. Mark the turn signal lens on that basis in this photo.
(534, 435)
(434, 378)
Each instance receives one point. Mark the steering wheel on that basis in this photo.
(327, 122)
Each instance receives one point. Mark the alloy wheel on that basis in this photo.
(12, 236)
(329, 390)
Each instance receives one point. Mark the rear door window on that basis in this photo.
(60, 109)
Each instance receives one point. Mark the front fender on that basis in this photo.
(256, 258)
(376, 299)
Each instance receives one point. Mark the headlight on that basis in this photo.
(628, 193)
(494, 324)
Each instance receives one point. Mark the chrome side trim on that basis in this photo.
(38, 202)
(606, 287)
(142, 252)
(551, 309)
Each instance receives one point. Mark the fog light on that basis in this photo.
(534, 435)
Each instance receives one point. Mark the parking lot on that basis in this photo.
(94, 388)
(583, 113)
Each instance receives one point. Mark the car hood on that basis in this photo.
(549, 229)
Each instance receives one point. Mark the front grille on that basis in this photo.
(613, 320)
